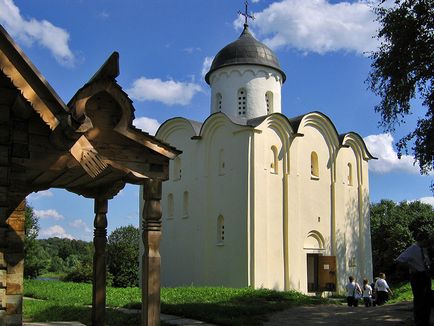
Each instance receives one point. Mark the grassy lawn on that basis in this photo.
(64, 301)
(223, 306)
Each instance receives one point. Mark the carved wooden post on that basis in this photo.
(151, 260)
(99, 263)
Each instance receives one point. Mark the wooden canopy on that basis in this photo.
(88, 147)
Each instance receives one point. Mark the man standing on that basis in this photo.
(416, 257)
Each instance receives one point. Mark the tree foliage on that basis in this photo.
(53, 255)
(393, 228)
(123, 256)
(35, 258)
(403, 69)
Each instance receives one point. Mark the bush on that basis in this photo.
(123, 256)
(84, 274)
(393, 229)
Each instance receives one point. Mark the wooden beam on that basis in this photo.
(99, 263)
(151, 260)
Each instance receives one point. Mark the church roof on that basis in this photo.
(245, 50)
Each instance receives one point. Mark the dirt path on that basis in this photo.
(337, 315)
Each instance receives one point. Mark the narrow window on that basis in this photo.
(269, 102)
(242, 99)
(314, 170)
(185, 205)
(274, 160)
(220, 230)
(350, 174)
(218, 102)
(222, 164)
(177, 168)
(170, 205)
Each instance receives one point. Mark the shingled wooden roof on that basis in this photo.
(89, 146)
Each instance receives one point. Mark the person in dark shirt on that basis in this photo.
(416, 257)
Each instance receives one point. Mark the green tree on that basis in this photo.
(35, 258)
(31, 226)
(403, 69)
(393, 228)
(123, 256)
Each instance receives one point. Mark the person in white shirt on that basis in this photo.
(367, 293)
(353, 290)
(382, 289)
(416, 257)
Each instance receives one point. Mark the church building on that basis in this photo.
(258, 198)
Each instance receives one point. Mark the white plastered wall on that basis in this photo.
(269, 209)
(189, 248)
(256, 80)
(309, 203)
(252, 204)
(352, 217)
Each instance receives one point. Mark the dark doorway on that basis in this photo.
(312, 272)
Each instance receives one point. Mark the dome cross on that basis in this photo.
(246, 14)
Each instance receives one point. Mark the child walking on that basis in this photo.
(367, 293)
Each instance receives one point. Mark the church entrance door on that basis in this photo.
(321, 273)
(312, 272)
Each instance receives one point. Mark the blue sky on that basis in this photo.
(166, 46)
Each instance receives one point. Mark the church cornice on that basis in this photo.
(241, 70)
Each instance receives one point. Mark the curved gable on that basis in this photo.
(324, 125)
(356, 142)
(214, 121)
(175, 124)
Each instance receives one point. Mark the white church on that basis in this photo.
(259, 199)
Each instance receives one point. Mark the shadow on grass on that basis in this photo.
(249, 309)
(83, 314)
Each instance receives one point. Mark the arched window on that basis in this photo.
(185, 205)
(177, 168)
(220, 230)
(350, 174)
(218, 102)
(269, 102)
(170, 205)
(222, 164)
(314, 169)
(242, 100)
(274, 160)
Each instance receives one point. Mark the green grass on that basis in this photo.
(68, 301)
(223, 306)
(51, 275)
(402, 292)
(229, 306)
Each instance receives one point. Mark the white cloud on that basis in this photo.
(40, 31)
(80, 224)
(147, 124)
(48, 214)
(206, 65)
(169, 92)
(381, 146)
(190, 50)
(104, 15)
(317, 25)
(427, 200)
(40, 194)
(55, 231)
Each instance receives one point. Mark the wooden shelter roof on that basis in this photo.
(89, 146)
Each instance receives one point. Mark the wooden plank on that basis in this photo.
(4, 134)
(5, 113)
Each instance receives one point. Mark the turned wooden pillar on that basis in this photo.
(99, 263)
(151, 260)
